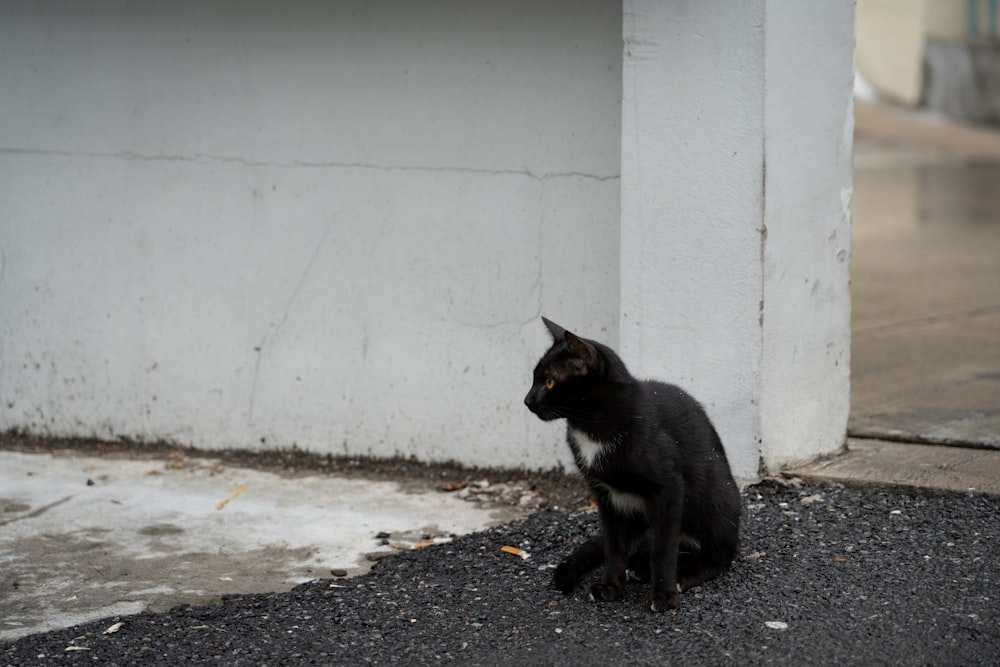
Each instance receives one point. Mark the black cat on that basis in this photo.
(668, 504)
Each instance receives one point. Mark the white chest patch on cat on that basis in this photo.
(626, 503)
(589, 449)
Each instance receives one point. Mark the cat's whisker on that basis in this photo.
(574, 413)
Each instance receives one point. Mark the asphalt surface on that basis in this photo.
(827, 576)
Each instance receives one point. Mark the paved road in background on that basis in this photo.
(925, 290)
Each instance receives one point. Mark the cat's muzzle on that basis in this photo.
(542, 412)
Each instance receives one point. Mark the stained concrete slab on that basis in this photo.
(882, 464)
(83, 538)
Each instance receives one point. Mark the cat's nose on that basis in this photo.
(529, 399)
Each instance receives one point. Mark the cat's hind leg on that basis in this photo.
(708, 557)
(587, 557)
(638, 560)
(693, 571)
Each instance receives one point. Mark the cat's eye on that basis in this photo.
(549, 383)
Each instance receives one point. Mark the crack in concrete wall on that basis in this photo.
(306, 164)
(268, 339)
(193, 204)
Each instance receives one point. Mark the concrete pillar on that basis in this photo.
(736, 177)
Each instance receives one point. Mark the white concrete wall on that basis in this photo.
(692, 196)
(335, 225)
(250, 224)
(808, 165)
(736, 158)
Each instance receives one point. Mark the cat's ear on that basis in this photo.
(582, 349)
(558, 333)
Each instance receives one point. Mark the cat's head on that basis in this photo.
(560, 374)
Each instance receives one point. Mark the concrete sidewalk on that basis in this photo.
(925, 281)
(908, 466)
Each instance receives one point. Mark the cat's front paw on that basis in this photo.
(660, 601)
(564, 578)
(605, 592)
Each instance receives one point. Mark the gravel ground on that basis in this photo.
(827, 576)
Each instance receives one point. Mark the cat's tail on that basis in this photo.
(587, 557)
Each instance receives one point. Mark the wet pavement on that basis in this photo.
(925, 275)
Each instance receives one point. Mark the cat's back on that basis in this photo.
(676, 411)
(684, 433)
(669, 398)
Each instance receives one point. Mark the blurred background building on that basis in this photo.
(942, 55)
